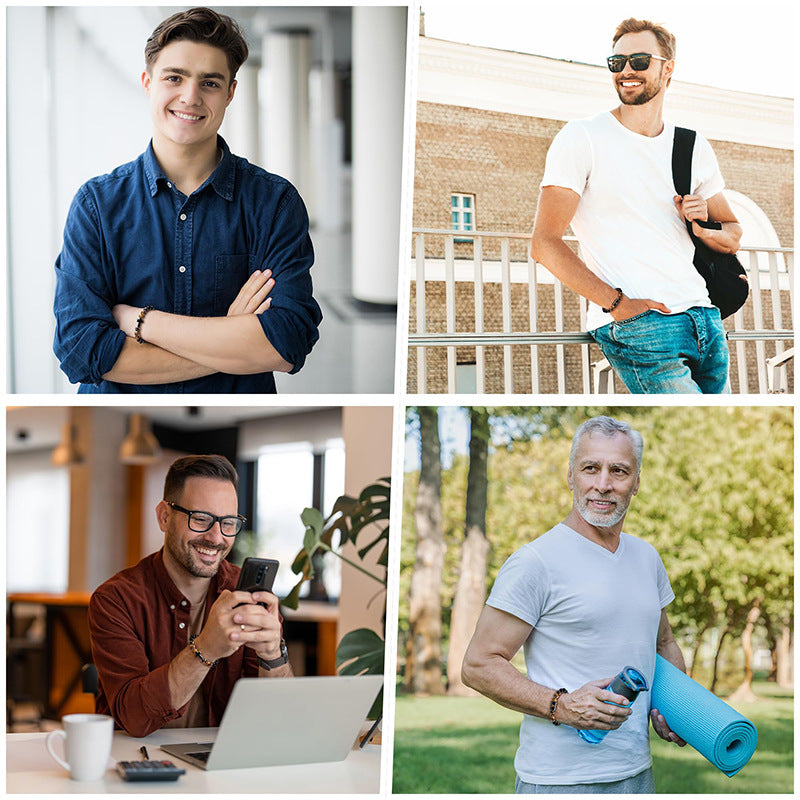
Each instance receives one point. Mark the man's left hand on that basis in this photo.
(692, 207)
(262, 626)
(663, 730)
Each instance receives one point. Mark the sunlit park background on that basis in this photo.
(715, 501)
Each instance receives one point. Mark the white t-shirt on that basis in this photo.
(629, 229)
(593, 612)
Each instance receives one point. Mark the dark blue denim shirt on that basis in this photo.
(131, 237)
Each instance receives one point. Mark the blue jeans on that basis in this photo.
(656, 353)
(642, 783)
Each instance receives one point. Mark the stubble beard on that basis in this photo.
(598, 520)
(182, 555)
(649, 90)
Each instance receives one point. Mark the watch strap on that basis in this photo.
(274, 663)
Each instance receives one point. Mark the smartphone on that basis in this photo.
(257, 575)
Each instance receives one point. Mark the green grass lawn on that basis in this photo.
(467, 745)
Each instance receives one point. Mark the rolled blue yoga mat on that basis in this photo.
(710, 725)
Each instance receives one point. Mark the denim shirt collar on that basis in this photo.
(222, 178)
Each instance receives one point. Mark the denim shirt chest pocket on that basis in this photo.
(231, 273)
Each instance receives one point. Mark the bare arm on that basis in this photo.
(198, 348)
(487, 668)
(715, 209)
(556, 208)
(667, 648)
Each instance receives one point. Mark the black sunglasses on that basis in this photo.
(639, 61)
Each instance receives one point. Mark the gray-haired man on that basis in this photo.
(585, 600)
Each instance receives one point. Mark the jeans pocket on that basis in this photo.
(634, 318)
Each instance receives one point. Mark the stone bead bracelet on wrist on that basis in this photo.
(193, 647)
(137, 333)
(554, 705)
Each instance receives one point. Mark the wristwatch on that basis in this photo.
(282, 659)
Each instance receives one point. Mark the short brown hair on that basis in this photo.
(211, 466)
(666, 41)
(200, 25)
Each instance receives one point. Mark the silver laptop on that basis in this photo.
(278, 721)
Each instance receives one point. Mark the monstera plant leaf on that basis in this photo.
(360, 652)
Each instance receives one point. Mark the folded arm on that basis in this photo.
(715, 209)
(556, 208)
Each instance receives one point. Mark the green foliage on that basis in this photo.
(345, 523)
(360, 652)
(715, 500)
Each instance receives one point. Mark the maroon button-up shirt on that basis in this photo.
(138, 621)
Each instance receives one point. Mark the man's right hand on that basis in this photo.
(589, 708)
(214, 641)
(630, 307)
(252, 297)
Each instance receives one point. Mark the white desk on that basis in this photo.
(29, 768)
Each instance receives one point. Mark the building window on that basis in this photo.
(462, 214)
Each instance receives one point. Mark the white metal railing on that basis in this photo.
(769, 269)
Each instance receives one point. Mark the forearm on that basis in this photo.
(147, 364)
(499, 680)
(186, 673)
(284, 671)
(235, 345)
(725, 240)
(670, 650)
(555, 254)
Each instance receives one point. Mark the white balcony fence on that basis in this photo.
(765, 318)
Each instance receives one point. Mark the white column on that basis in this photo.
(379, 49)
(285, 108)
(240, 128)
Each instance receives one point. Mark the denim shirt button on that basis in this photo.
(181, 268)
(183, 216)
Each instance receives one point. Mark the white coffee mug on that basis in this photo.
(87, 745)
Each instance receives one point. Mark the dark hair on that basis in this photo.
(211, 466)
(200, 25)
(666, 41)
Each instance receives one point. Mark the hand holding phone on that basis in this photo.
(257, 575)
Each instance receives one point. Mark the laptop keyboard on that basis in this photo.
(202, 756)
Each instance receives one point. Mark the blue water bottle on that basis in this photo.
(628, 683)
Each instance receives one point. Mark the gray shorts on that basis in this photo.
(642, 783)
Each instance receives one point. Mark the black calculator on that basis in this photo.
(149, 771)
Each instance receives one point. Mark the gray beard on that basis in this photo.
(601, 520)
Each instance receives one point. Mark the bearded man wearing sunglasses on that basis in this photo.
(611, 178)
(170, 635)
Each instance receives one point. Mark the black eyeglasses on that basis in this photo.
(639, 61)
(202, 521)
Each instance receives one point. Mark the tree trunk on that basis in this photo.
(424, 654)
(698, 643)
(745, 689)
(471, 589)
(713, 686)
(784, 657)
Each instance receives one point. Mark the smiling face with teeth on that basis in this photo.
(189, 88)
(639, 87)
(604, 479)
(198, 554)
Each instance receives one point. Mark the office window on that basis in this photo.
(462, 214)
(290, 478)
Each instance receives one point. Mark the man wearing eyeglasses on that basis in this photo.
(611, 178)
(170, 635)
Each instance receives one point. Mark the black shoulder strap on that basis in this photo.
(682, 147)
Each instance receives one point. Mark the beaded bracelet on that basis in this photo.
(615, 303)
(554, 705)
(193, 648)
(137, 333)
